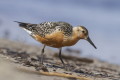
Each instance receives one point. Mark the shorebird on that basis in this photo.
(56, 34)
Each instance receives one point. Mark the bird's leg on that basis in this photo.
(60, 49)
(42, 55)
(41, 59)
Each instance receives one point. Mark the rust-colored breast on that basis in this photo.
(54, 39)
(69, 41)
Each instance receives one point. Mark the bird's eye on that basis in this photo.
(83, 31)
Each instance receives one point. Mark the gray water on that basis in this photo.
(100, 17)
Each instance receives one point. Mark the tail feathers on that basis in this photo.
(18, 22)
(22, 24)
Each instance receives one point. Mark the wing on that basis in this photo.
(45, 28)
(66, 28)
(49, 27)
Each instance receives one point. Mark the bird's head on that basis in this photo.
(82, 32)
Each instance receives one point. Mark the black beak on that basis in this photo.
(90, 41)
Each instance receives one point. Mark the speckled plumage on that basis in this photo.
(45, 28)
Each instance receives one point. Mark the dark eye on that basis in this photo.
(83, 31)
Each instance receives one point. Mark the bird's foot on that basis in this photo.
(41, 67)
(68, 67)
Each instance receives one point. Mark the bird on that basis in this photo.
(56, 34)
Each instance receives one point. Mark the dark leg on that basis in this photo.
(42, 55)
(61, 57)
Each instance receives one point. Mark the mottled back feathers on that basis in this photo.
(45, 28)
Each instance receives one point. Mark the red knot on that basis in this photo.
(56, 34)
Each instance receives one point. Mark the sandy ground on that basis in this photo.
(19, 61)
(8, 71)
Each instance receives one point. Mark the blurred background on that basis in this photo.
(100, 17)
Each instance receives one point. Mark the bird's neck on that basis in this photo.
(69, 41)
(75, 34)
(74, 38)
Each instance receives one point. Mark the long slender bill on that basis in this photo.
(90, 41)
